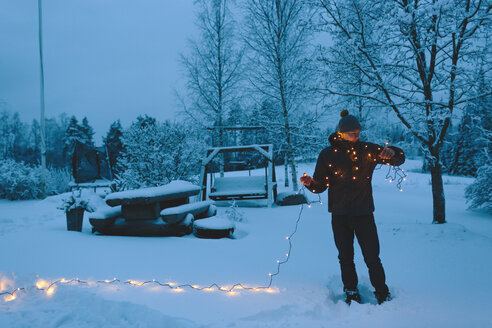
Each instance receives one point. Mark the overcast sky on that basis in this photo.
(104, 59)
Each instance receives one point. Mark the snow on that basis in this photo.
(214, 223)
(177, 213)
(242, 185)
(182, 209)
(439, 275)
(106, 212)
(173, 187)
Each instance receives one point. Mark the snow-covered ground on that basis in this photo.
(439, 275)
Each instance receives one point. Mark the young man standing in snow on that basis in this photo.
(346, 169)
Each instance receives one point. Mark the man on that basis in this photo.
(346, 169)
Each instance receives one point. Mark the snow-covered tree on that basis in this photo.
(466, 150)
(420, 65)
(72, 134)
(88, 132)
(82, 133)
(479, 193)
(113, 143)
(278, 33)
(473, 147)
(55, 141)
(156, 153)
(34, 143)
(12, 135)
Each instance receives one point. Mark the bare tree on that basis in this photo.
(420, 64)
(278, 34)
(213, 68)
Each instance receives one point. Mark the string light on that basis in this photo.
(395, 173)
(50, 287)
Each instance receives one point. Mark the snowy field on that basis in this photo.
(439, 275)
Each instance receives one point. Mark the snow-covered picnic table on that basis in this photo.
(155, 211)
(147, 203)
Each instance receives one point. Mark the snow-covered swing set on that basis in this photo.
(240, 187)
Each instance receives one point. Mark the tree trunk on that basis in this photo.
(286, 169)
(437, 189)
(293, 171)
(222, 155)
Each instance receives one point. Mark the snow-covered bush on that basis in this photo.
(57, 181)
(19, 181)
(479, 193)
(234, 213)
(22, 181)
(157, 153)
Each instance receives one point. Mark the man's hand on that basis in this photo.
(306, 179)
(387, 153)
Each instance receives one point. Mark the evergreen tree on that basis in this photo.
(55, 141)
(73, 133)
(113, 143)
(87, 132)
(474, 144)
(465, 148)
(479, 193)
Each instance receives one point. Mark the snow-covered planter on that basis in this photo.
(74, 207)
(214, 227)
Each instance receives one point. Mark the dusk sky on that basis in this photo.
(104, 59)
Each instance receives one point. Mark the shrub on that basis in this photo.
(22, 181)
(57, 181)
(19, 181)
(479, 193)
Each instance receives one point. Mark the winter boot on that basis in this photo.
(382, 297)
(352, 295)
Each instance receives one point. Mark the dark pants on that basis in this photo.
(364, 228)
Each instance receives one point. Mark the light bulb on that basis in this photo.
(9, 297)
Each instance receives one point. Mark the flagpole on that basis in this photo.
(42, 120)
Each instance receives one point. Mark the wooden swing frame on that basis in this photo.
(266, 151)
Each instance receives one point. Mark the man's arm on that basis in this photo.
(319, 182)
(391, 155)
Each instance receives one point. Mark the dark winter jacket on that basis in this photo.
(346, 168)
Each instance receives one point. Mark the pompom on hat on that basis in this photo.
(348, 122)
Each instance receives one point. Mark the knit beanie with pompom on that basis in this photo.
(348, 122)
